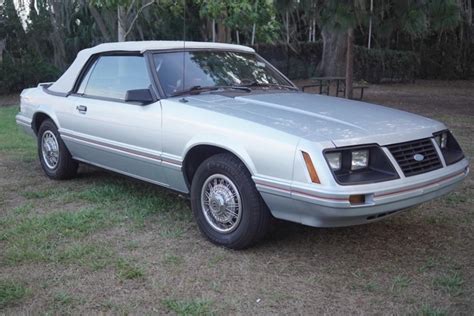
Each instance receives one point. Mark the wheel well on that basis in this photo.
(196, 156)
(38, 119)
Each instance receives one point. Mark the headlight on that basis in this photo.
(442, 139)
(334, 160)
(361, 164)
(450, 148)
(360, 159)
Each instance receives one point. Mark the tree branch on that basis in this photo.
(137, 15)
(131, 7)
(100, 22)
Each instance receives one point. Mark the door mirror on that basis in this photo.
(142, 96)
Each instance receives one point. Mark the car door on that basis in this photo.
(100, 127)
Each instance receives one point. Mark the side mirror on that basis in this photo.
(142, 96)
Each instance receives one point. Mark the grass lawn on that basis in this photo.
(107, 243)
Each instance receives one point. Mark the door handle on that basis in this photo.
(82, 109)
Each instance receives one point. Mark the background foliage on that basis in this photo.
(371, 65)
(410, 38)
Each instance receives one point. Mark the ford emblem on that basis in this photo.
(418, 157)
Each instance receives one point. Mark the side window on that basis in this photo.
(85, 79)
(113, 76)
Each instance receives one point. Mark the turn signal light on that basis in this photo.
(357, 199)
(309, 165)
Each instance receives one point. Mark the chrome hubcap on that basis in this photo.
(50, 149)
(221, 204)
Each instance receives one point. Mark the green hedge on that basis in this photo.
(450, 60)
(372, 65)
(17, 74)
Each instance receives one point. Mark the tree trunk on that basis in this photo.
(237, 36)
(57, 35)
(254, 26)
(228, 34)
(221, 32)
(287, 25)
(369, 44)
(334, 53)
(100, 23)
(2, 47)
(314, 29)
(349, 63)
(121, 23)
(213, 30)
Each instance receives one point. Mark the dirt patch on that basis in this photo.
(418, 262)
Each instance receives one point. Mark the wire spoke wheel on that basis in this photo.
(50, 149)
(221, 203)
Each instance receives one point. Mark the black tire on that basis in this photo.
(255, 219)
(66, 167)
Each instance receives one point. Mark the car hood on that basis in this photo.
(322, 118)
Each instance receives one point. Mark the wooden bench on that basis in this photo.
(361, 87)
(325, 82)
(320, 85)
(356, 86)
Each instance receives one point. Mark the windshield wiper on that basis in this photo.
(269, 85)
(199, 89)
(195, 90)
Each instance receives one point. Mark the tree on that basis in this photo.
(215, 11)
(335, 21)
(12, 34)
(286, 8)
(444, 16)
(311, 10)
(238, 17)
(128, 12)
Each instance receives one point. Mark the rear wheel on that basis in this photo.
(226, 204)
(54, 157)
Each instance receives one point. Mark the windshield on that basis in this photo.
(213, 69)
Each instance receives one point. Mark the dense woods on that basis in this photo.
(40, 38)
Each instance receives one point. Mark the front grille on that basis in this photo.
(404, 154)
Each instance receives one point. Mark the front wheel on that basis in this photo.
(226, 204)
(54, 157)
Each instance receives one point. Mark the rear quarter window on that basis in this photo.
(113, 76)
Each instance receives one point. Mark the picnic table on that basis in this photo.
(325, 82)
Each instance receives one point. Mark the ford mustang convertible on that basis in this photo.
(220, 124)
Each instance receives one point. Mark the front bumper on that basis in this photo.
(321, 207)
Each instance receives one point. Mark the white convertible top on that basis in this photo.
(66, 82)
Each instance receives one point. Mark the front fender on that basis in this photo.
(230, 144)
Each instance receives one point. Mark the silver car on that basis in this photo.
(219, 123)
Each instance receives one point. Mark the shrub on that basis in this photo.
(371, 65)
(28, 71)
(450, 60)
